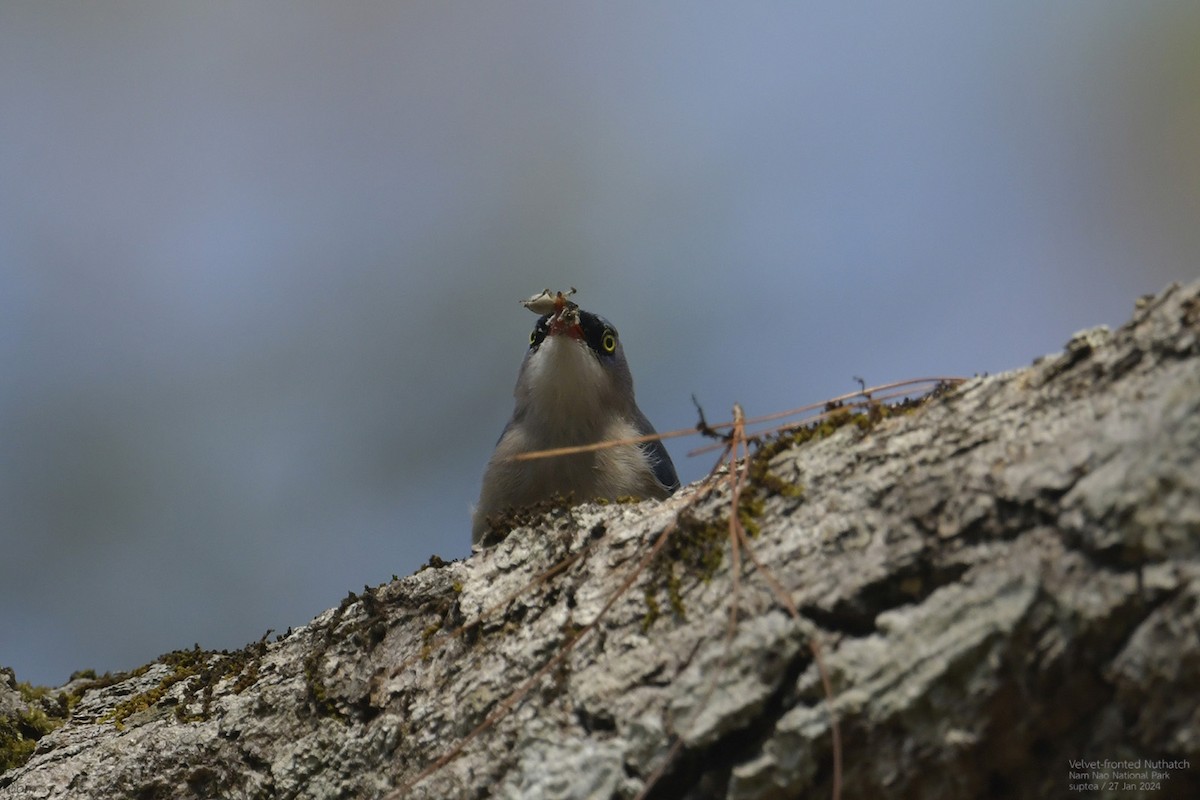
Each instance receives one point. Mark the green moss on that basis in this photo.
(318, 693)
(500, 525)
(697, 548)
(46, 710)
(427, 639)
(652, 609)
(434, 562)
(364, 629)
(761, 477)
(184, 665)
(199, 671)
(32, 694)
(19, 735)
(675, 595)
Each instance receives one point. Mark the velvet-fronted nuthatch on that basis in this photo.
(574, 388)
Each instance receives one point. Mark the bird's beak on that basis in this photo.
(565, 319)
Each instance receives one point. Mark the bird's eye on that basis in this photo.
(533, 337)
(609, 341)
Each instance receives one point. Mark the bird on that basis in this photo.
(574, 387)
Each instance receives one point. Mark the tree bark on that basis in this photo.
(1003, 584)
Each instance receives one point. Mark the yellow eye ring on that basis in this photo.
(609, 341)
(533, 336)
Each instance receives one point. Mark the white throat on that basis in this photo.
(568, 394)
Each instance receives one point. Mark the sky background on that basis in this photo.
(260, 262)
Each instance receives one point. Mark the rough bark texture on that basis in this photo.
(1003, 583)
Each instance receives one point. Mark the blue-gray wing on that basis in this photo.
(657, 456)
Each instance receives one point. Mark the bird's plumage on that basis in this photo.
(574, 387)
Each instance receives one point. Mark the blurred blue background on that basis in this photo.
(260, 263)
